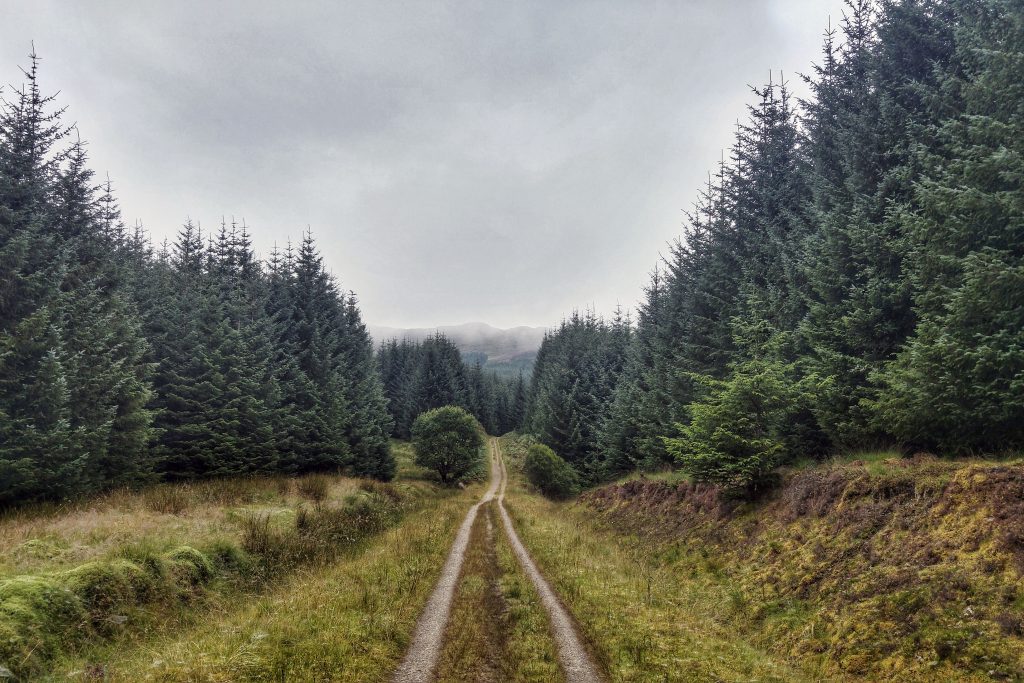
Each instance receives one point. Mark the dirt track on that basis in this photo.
(577, 664)
(421, 659)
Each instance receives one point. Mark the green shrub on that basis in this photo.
(553, 476)
(448, 441)
(743, 429)
(257, 534)
(324, 532)
(382, 489)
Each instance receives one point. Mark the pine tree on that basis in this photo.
(73, 385)
(368, 434)
(297, 438)
(870, 109)
(574, 377)
(107, 377)
(956, 385)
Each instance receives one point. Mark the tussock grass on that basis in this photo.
(43, 616)
(346, 620)
(321, 534)
(314, 488)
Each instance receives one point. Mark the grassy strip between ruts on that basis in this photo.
(498, 630)
(644, 625)
(348, 620)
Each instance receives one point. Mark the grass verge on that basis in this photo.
(89, 580)
(349, 619)
(872, 568)
(646, 623)
(47, 616)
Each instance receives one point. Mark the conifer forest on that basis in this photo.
(798, 456)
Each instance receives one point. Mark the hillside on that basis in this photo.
(505, 351)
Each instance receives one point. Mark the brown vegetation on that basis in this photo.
(907, 568)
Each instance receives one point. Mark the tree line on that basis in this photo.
(121, 363)
(423, 375)
(573, 383)
(851, 276)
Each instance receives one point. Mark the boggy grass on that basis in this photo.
(347, 620)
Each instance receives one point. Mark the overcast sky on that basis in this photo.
(457, 161)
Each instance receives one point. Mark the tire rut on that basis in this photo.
(421, 659)
(577, 663)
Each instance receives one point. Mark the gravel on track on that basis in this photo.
(421, 659)
(577, 664)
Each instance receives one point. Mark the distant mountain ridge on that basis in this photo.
(506, 351)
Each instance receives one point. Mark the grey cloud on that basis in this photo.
(497, 161)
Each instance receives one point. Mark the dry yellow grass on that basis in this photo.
(44, 539)
(349, 621)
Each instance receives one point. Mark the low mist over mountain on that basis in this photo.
(504, 351)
